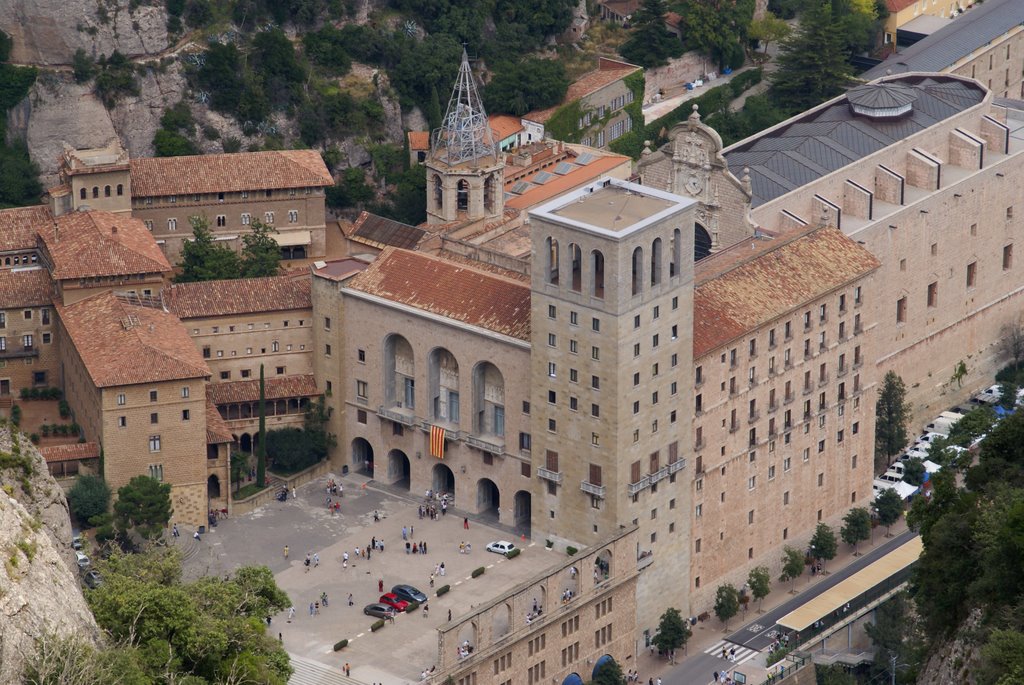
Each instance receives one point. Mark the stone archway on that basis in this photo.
(362, 456)
(501, 621)
(522, 503)
(245, 443)
(398, 469)
(599, 664)
(213, 487)
(488, 498)
(443, 480)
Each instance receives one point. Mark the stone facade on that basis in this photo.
(998, 65)
(29, 350)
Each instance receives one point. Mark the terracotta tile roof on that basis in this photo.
(19, 226)
(126, 344)
(380, 232)
(757, 281)
(25, 288)
(276, 388)
(73, 452)
(563, 184)
(451, 290)
(899, 5)
(608, 71)
(239, 296)
(457, 258)
(217, 430)
(504, 125)
(158, 176)
(419, 140)
(87, 244)
(674, 20)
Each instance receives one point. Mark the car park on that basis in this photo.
(82, 560)
(92, 579)
(379, 610)
(409, 594)
(392, 600)
(944, 422)
(501, 547)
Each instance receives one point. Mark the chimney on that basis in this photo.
(113, 230)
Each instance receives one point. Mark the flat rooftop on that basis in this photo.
(612, 207)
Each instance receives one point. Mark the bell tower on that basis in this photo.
(465, 170)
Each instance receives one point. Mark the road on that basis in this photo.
(753, 637)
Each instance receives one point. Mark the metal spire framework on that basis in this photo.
(465, 134)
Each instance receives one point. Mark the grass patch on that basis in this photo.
(247, 491)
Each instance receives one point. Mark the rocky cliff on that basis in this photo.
(39, 591)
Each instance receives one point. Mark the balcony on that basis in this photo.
(19, 353)
(753, 416)
(487, 443)
(450, 430)
(676, 466)
(591, 489)
(406, 417)
(634, 488)
(660, 474)
(644, 560)
(553, 476)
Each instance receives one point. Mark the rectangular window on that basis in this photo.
(972, 274)
(595, 353)
(901, 310)
(152, 395)
(361, 389)
(1007, 258)
(156, 471)
(185, 415)
(154, 443)
(933, 294)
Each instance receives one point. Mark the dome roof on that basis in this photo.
(881, 100)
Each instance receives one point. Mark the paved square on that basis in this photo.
(400, 651)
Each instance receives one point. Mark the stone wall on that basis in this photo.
(690, 67)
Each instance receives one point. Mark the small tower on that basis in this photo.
(464, 167)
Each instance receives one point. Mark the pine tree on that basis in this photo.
(812, 62)
(651, 44)
(433, 112)
(261, 448)
(892, 412)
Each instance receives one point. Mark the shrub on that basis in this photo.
(75, 429)
(477, 572)
(65, 409)
(377, 625)
(16, 415)
(338, 646)
(413, 606)
(33, 394)
(513, 553)
(570, 550)
(89, 497)
(443, 590)
(45, 430)
(56, 393)
(34, 438)
(549, 543)
(24, 393)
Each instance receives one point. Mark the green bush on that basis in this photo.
(89, 497)
(34, 438)
(377, 625)
(549, 543)
(65, 409)
(16, 415)
(24, 393)
(75, 429)
(413, 606)
(45, 430)
(338, 646)
(477, 572)
(443, 590)
(570, 550)
(512, 554)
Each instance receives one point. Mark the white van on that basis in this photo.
(943, 422)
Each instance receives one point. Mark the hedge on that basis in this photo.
(412, 607)
(338, 646)
(478, 572)
(570, 550)
(377, 625)
(443, 590)
(513, 553)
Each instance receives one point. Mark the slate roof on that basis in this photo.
(94, 243)
(238, 296)
(197, 174)
(380, 232)
(275, 388)
(19, 226)
(759, 280)
(25, 288)
(127, 344)
(73, 452)
(454, 291)
(975, 28)
(824, 140)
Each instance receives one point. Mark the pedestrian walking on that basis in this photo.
(449, 615)
(174, 531)
(350, 600)
(658, 681)
(317, 607)
(426, 608)
(310, 608)
(716, 676)
(294, 493)
(465, 523)
(195, 535)
(291, 613)
(405, 533)
(348, 670)
(380, 585)
(316, 559)
(286, 551)
(323, 599)
(280, 638)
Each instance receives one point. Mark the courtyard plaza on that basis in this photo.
(401, 651)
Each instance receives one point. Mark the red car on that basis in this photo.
(391, 599)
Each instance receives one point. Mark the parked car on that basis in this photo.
(76, 540)
(409, 593)
(929, 438)
(944, 422)
(392, 600)
(501, 547)
(82, 560)
(92, 579)
(889, 477)
(379, 610)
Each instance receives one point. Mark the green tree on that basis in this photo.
(888, 507)
(760, 582)
(19, 175)
(351, 189)
(812, 62)
(892, 413)
(261, 447)
(650, 44)
(823, 543)
(673, 631)
(261, 255)
(83, 67)
(914, 471)
(202, 259)
(1008, 395)
(768, 29)
(222, 76)
(524, 86)
(172, 144)
(1012, 336)
(1001, 457)
(433, 111)
(116, 79)
(610, 673)
(315, 426)
(6, 44)
(326, 47)
(792, 566)
(833, 675)
(959, 373)
(727, 603)
(277, 68)
(1003, 658)
(974, 423)
(716, 27)
(89, 496)
(891, 632)
(856, 527)
(143, 506)
(239, 467)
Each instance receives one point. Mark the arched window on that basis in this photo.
(438, 192)
(462, 196)
(674, 267)
(656, 261)
(597, 274)
(638, 270)
(701, 242)
(576, 261)
(82, 193)
(120, 190)
(399, 373)
(488, 400)
(489, 194)
(95, 191)
(444, 385)
(106, 191)
(552, 265)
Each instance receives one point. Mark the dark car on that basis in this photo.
(393, 601)
(409, 593)
(379, 610)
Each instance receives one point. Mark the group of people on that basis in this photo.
(567, 596)
(723, 678)
(465, 548)
(416, 547)
(781, 643)
(465, 649)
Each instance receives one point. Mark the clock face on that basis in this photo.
(694, 184)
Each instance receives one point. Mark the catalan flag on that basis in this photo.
(437, 442)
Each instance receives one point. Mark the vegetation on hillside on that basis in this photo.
(19, 176)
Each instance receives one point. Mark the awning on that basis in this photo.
(291, 238)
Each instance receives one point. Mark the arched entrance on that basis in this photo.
(488, 499)
(245, 443)
(213, 487)
(443, 480)
(701, 242)
(573, 679)
(398, 469)
(362, 457)
(521, 513)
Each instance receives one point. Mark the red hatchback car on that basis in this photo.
(391, 599)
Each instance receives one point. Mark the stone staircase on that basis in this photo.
(309, 672)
